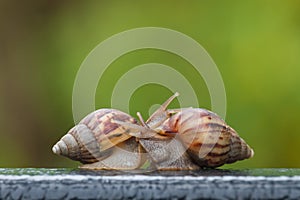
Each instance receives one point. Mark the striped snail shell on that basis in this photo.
(209, 140)
(100, 143)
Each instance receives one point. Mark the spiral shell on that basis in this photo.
(209, 140)
(93, 138)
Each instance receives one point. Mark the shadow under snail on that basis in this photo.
(171, 139)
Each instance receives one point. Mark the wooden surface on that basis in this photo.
(212, 184)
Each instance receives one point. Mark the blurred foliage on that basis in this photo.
(255, 44)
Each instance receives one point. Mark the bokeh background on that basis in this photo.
(255, 44)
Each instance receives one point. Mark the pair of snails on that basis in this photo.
(171, 139)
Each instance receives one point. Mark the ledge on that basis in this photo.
(213, 184)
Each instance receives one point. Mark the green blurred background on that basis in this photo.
(255, 44)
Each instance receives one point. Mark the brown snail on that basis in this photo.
(176, 139)
(100, 143)
(209, 141)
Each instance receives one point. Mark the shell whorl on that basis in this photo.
(79, 144)
(240, 150)
(64, 144)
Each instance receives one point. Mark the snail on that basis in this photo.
(209, 141)
(175, 139)
(99, 143)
